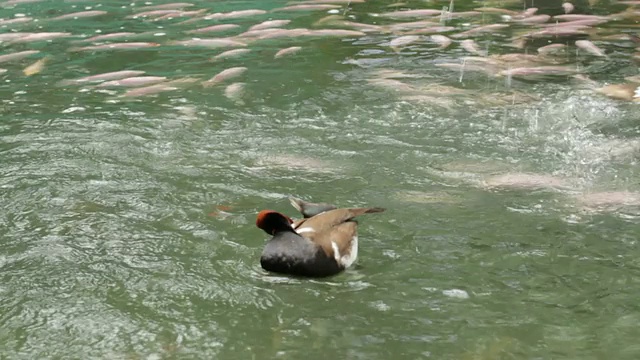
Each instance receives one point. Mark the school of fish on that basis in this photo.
(503, 43)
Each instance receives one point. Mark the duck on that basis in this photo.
(321, 244)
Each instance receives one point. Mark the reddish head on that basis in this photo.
(272, 221)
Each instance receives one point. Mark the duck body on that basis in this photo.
(290, 253)
(322, 244)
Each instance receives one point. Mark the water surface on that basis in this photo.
(128, 222)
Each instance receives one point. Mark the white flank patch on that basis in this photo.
(637, 95)
(305, 229)
(336, 252)
(350, 258)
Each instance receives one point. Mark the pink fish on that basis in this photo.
(80, 15)
(225, 75)
(116, 46)
(270, 24)
(403, 14)
(135, 81)
(230, 54)
(44, 36)
(432, 30)
(180, 14)
(19, 20)
(472, 47)
(103, 77)
(111, 36)
(538, 71)
(528, 12)
(536, 19)
(480, 30)
(412, 25)
(556, 31)
(334, 32)
(210, 43)
(171, 6)
(235, 14)
(574, 23)
(149, 90)
(287, 51)
(573, 17)
(403, 40)
(567, 7)
(153, 13)
(283, 33)
(17, 55)
(441, 40)
(308, 7)
(590, 47)
(214, 28)
(235, 92)
(550, 49)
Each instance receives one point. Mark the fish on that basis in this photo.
(308, 7)
(526, 13)
(472, 47)
(231, 54)
(116, 46)
(148, 90)
(13, 36)
(269, 24)
(281, 33)
(153, 13)
(103, 77)
(404, 14)
(136, 81)
(575, 23)
(214, 28)
(493, 10)
(43, 36)
(432, 30)
(536, 19)
(235, 92)
(441, 40)
(411, 25)
(480, 30)
(179, 14)
(80, 15)
(112, 36)
(210, 43)
(589, 47)
(626, 91)
(334, 32)
(573, 17)
(235, 14)
(19, 20)
(552, 48)
(35, 68)
(17, 55)
(225, 75)
(287, 51)
(557, 31)
(527, 181)
(403, 41)
(170, 6)
(539, 71)
(342, 2)
(567, 7)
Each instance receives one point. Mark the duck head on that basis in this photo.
(272, 222)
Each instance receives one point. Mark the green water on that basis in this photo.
(127, 225)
